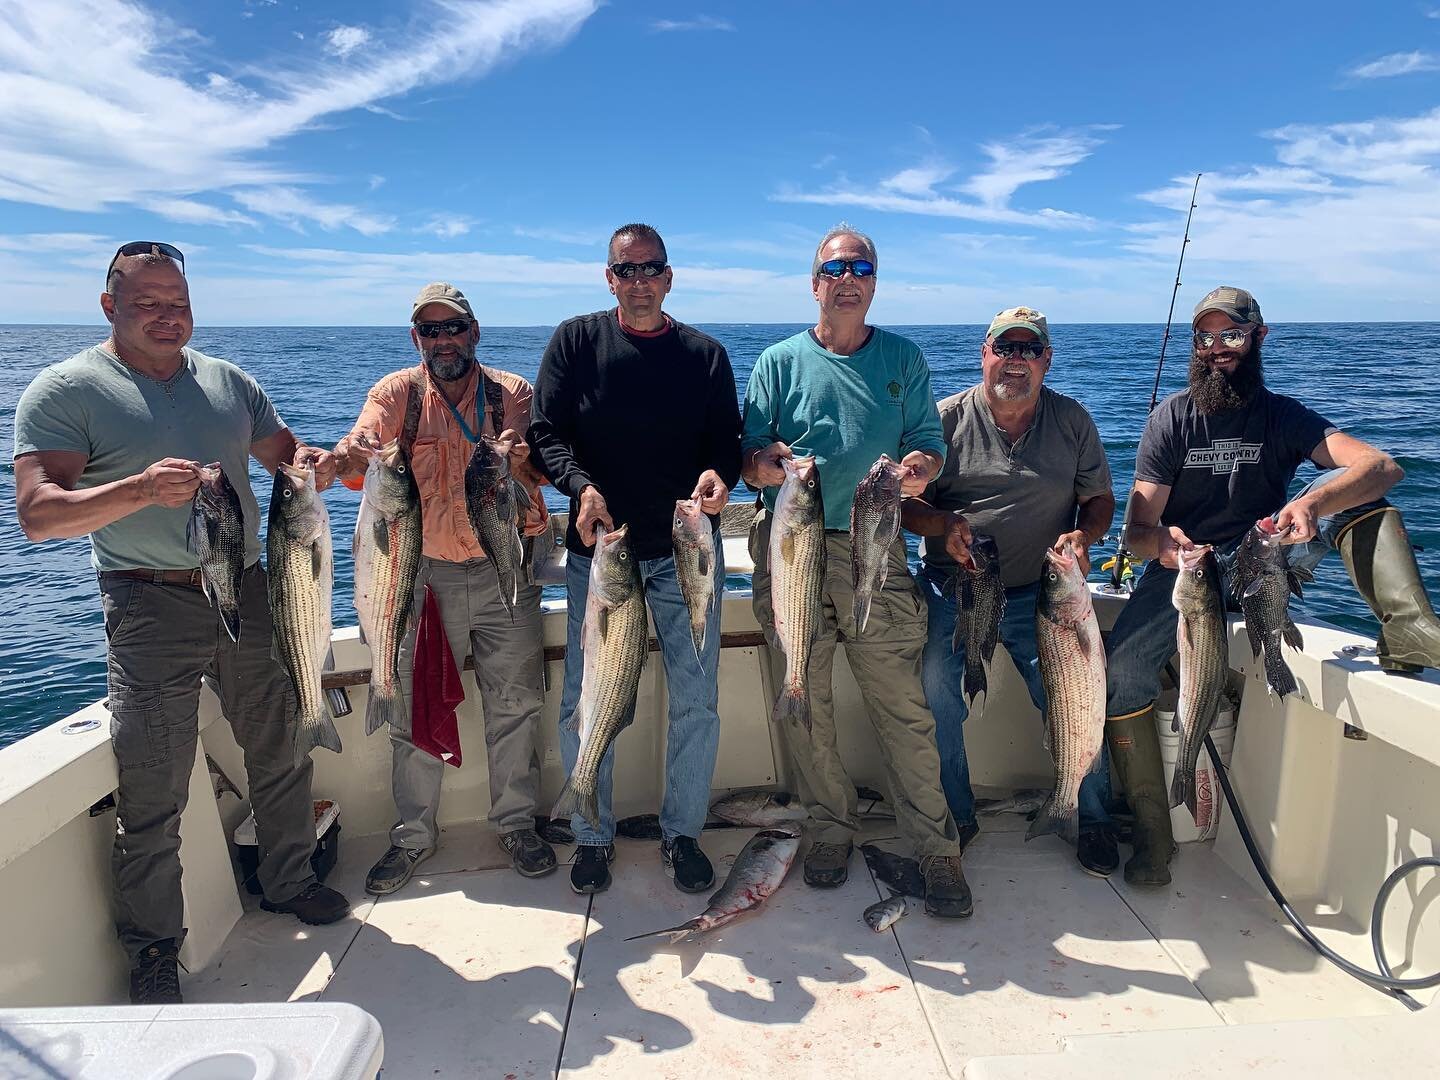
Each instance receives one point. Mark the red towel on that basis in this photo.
(436, 689)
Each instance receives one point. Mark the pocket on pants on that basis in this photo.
(119, 602)
(138, 732)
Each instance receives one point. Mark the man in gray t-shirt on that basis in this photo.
(1024, 466)
(110, 443)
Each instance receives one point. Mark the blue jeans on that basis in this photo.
(943, 670)
(1143, 637)
(694, 692)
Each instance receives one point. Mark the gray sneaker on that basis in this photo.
(395, 868)
(827, 865)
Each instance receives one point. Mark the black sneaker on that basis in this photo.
(827, 865)
(590, 873)
(967, 834)
(155, 980)
(315, 904)
(687, 864)
(1097, 851)
(395, 868)
(946, 893)
(529, 855)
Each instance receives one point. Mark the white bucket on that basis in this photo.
(1208, 797)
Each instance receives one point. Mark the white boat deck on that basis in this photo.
(474, 971)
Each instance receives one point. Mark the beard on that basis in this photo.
(1013, 390)
(451, 367)
(1216, 391)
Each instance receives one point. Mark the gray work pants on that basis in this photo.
(162, 640)
(509, 672)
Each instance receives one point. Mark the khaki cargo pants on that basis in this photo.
(885, 660)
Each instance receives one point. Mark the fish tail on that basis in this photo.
(382, 708)
(677, 933)
(1277, 672)
(1054, 817)
(792, 705)
(862, 610)
(573, 801)
(976, 683)
(698, 635)
(230, 619)
(1182, 788)
(315, 730)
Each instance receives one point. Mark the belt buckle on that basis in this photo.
(195, 578)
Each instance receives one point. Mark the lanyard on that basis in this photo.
(479, 412)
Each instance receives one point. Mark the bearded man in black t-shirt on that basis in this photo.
(1214, 459)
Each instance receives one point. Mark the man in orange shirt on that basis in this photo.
(462, 399)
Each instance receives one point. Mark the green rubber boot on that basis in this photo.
(1377, 552)
(1135, 750)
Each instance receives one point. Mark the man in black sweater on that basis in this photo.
(632, 411)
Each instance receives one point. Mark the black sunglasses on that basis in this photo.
(1231, 339)
(835, 268)
(146, 247)
(1028, 350)
(450, 328)
(653, 268)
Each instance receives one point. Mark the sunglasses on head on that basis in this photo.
(146, 247)
(1028, 350)
(1232, 338)
(627, 270)
(835, 268)
(450, 328)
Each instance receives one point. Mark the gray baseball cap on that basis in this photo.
(442, 292)
(1240, 305)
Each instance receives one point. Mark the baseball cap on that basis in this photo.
(1240, 305)
(1023, 318)
(441, 292)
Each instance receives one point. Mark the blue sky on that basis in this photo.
(318, 162)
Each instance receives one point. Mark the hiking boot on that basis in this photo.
(529, 855)
(155, 978)
(1377, 552)
(395, 868)
(590, 873)
(968, 832)
(1135, 750)
(1097, 851)
(827, 865)
(947, 896)
(315, 904)
(687, 864)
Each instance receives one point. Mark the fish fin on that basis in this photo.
(1055, 818)
(1182, 789)
(1291, 634)
(572, 801)
(316, 731)
(789, 706)
(383, 708)
(523, 501)
(1293, 580)
(317, 559)
(707, 560)
(677, 933)
(951, 585)
(976, 683)
(230, 620)
(1253, 586)
(1089, 640)
(381, 532)
(1253, 633)
(1277, 673)
(862, 610)
(787, 547)
(602, 623)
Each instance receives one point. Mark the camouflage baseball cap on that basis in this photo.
(1240, 305)
(1023, 318)
(441, 292)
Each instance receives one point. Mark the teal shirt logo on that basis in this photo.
(894, 388)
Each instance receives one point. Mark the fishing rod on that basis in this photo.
(1122, 553)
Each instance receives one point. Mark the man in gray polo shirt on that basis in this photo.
(1025, 466)
(109, 443)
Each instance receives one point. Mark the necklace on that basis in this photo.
(167, 385)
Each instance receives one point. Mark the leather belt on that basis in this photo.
(190, 578)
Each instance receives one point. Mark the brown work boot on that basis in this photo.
(827, 865)
(1377, 552)
(1135, 750)
(947, 895)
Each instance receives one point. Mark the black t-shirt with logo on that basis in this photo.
(1227, 470)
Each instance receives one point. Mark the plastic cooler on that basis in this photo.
(327, 844)
(1208, 798)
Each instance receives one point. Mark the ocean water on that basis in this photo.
(1379, 382)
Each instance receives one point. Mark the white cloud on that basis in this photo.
(296, 209)
(448, 226)
(140, 124)
(1401, 63)
(699, 22)
(343, 40)
(190, 212)
(1026, 159)
(576, 237)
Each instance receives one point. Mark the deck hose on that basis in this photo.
(1385, 980)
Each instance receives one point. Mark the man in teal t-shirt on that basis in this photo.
(846, 392)
(110, 443)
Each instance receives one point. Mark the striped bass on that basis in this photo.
(1200, 635)
(874, 525)
(614, 639)
(1072, 667)
(301, 569)
(695, 560)
(216, 534)
(797, 578)
(386, 548)
(758, 871)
